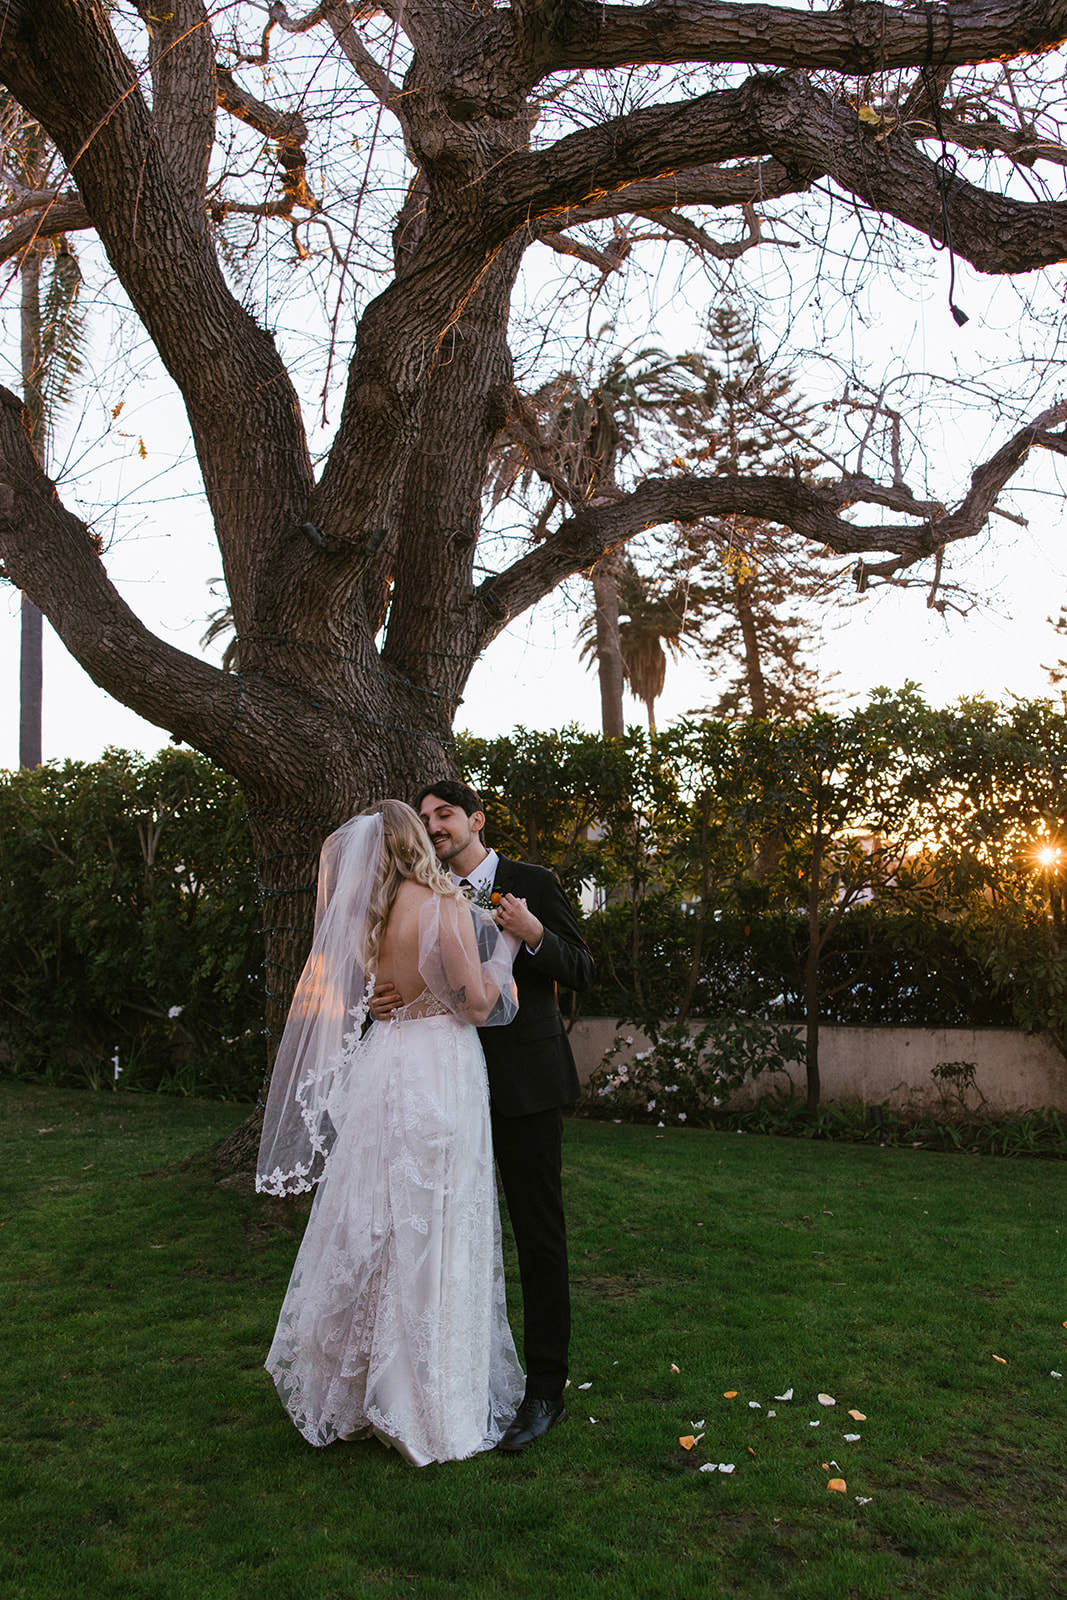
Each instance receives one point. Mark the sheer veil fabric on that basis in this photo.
(394, 1322)
(327, 1012)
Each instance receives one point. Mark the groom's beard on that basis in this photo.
(446, 848)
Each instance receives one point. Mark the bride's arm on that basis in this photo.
(473, 982)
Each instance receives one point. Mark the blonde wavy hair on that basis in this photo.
(406, 855)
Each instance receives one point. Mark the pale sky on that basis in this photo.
(531, 676)
(162, 556)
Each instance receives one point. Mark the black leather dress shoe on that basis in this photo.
(533, 1418)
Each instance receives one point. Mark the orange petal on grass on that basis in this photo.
(1000, 1359)
(687, 1441)
(838, 1486)
(729, 1394)
(857, 1416)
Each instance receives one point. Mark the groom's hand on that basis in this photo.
(384, 1000)
(515, 917)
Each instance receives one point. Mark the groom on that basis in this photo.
(531, 1078)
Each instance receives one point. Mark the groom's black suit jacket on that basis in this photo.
(530, 1064)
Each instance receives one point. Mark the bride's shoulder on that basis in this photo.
(411, 893)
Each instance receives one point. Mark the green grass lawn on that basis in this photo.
(144, 1452)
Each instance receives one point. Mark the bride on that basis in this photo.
(394, 1322)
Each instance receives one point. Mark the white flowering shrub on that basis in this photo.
(686, 1074)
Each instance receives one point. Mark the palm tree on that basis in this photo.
(572, 440)
(756, 583)
(50, 333)
(654, 622)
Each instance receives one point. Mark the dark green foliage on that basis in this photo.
(129, 894)
(129, 888)
(1042, 1132)
(884, 970)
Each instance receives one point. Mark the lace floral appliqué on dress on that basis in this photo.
(395, 1321)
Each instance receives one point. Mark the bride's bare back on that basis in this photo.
(456, 950)
(398, 956)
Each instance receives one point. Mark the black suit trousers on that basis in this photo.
(528, 1152)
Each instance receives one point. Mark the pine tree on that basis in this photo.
(753, 589)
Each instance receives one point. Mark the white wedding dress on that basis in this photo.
(395, 1322)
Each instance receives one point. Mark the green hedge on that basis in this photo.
(130, 927)
(882, 969)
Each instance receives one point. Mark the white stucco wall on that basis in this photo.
(1013, 1070)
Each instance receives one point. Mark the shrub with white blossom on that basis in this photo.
(687, 1072)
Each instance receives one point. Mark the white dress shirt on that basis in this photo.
(480, 877)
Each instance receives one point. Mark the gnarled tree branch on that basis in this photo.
(811, 510)
(810, 133)
(52, 556)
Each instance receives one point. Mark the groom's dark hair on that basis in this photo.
(455, 793)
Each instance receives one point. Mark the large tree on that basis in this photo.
(359, 597)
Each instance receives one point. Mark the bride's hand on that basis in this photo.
(384, 1000)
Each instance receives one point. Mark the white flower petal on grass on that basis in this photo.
(585, 1386)
(772, 1413)
(862, 1499)
(726, 1466)
(708, 1466)
(696, 1425)
(813, 1424)
(1055, 1374)
(787, 1396)
(826, 1399)
(850, 1438)
(754, 1405)
(674, 1368)
(592, 1419)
